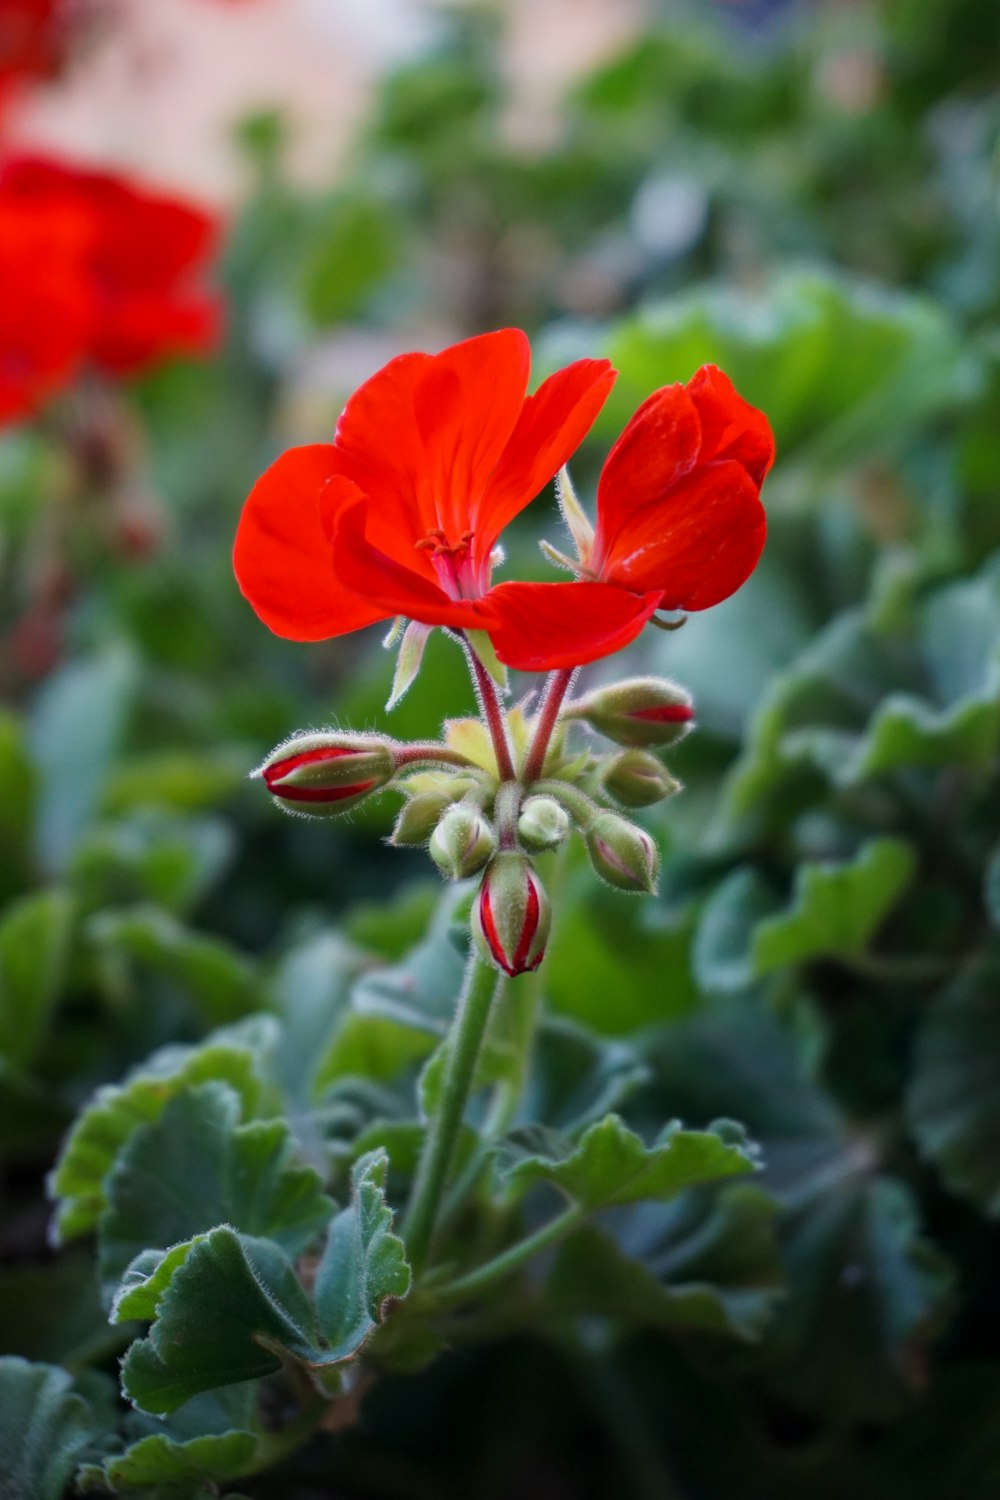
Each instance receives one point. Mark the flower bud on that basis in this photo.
(462, 842)
(326, 774)
(622, 854)
(511, 916)
(421, 813)
(637, 779)
(543, 823)
(640, 711)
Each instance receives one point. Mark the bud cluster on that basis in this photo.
(473, 821)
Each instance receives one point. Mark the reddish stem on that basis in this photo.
(415, 754)
(556, 689)
(493, 714)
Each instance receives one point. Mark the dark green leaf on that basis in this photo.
(364, 1264)
(44, 1427)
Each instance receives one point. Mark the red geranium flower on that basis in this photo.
(31, 40)
(678, 508)
(46, 317)
(401, 513)
(143, 260)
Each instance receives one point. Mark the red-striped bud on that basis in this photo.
(637, 779)
(640, 711)
(622, 854)
(326, 774)
(511, 916)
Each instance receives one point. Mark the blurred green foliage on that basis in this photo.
(806, 194)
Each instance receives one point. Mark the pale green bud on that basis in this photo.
(543, 824)
(622, 854)
(637, 779)
(462, 842)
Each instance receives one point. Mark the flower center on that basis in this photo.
(452, 562)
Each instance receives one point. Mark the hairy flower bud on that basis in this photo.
(543, 824)
(639, 711)
(622, 854)
(511, 916)
(422, 812)
(637, 779)
(462, 842)
(326, 774)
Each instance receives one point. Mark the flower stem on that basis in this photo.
(424, 754)
(556, 689)
(492, 713)
(464, 1042)
(486, 1276)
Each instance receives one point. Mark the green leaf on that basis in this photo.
(153, 857)
(77, 729)
(18, 796)
(157, 1459)
(611, 1165)
(44, 1427)
(364, 1267)
(709, 1260)
(116, 1112)
(840, 368)
(836, 910)
(232, 1310)
(34, 945)
(221, 981)
(198, 1166)
(953, 1102)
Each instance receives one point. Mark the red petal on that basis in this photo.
(467, 403)
(398, 590)
(546, 625)
(282, 557)
(552, 425)
(730, 426)
(697, 544)
(378, 445)
(658, 447)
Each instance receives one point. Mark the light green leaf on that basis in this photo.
(364, 1264)
(611, 1165)
(198, 1166)
(836, 908)
(157, 1459)
(34, 945)
(77, 729)
(116, 1112)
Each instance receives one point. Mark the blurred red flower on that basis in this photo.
(32, 41)
(142, 263)
(401, 513)
(46, 315)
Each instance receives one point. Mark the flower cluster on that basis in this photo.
(108, 276)
(401, 515)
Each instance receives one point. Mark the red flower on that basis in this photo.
(401, 513)
(678, 508)
(142, 262)
(46, 317)
(31, 40)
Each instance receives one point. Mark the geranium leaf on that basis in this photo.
(34, 945)
(612, 1165)
(77, 1182)
(231, 1310)
(198, 1166)
(44, 1427)
(364, 1264)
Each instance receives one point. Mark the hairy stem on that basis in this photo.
(484, 1277)
(556, 688)
(482, 982)
(492, 713)
(430, 754)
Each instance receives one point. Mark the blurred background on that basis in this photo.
(216, 218)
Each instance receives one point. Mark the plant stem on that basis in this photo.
(492, 713)
(416, 754)
(556, 689)
(487, 1275)
(482, 982)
